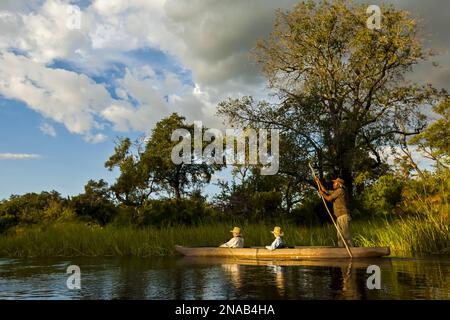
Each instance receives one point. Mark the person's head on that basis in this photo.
(338, 183)
(277, 232)
(236, 232)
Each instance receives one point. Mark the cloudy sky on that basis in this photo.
(69, 87)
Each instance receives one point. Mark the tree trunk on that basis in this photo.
(177, 192)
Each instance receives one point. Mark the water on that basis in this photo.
(184, 278)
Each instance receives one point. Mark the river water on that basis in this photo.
(184, 278)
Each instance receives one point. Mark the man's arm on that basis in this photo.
(321, 187)
(325, 195)
(332, 196)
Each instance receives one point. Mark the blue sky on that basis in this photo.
(43, 148)
(66, 93)
(66, 161)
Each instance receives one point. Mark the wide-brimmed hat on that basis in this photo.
(277, 231)
(339, 180)
(236, 230)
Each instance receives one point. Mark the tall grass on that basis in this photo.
(406, 237)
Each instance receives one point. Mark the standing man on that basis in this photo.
(340, 208)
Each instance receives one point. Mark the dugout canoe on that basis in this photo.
(295, 253)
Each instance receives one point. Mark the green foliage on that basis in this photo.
(33, 208)
(173, 178)
(95, 203)
(434, 142)
(136, 181)
(146, 168)
(383, 196)
(343, 100)
(266, 204)
(428, 196)
(172, 212)
(311, 211)
(257, 197)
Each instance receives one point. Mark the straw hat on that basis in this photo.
(236, 230)
(277, 231)
(339, 180)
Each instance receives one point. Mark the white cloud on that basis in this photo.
(216, 52)
(18, 156)
(66, 97)
(95, 138)
(48, 129)
(156, 98)
(211, 39)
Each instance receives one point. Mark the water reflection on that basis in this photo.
(207, 278)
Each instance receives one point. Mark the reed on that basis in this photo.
(407, 237)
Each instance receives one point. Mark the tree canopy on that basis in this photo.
(341, 88)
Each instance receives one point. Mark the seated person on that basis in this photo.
(278, 242)
(237, 241)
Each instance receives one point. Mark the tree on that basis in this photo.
(434, 141)
(174, 178)
(341, 89)
(95, 203)
(32, 208)
(146, 167)
(136, 181)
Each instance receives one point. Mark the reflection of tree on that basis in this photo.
(131, 280)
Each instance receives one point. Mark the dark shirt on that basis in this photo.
(339, 199)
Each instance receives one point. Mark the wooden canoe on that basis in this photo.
(296, 253)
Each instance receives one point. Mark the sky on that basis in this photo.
(71, 84)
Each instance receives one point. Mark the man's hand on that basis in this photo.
(321, 188)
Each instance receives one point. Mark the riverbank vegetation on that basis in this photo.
(352, 116)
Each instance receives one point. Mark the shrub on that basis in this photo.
(32, 208)
(383, 196)
(172, 212)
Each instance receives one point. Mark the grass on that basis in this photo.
(406, 237)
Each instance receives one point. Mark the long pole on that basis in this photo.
(331, 216)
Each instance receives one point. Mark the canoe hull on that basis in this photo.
(297, 253)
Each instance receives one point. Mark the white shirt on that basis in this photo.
(235, 242)
(276, 244)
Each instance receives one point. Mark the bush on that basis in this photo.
(32, 208)
(93, 209)
(311, 211)
(429, 195)
(383, 196)
(171, 212)
(95, 204)
(265, 204)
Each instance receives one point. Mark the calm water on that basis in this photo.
(183, 278)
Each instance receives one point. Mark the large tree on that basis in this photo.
(146, 166)
(434, 141)
(136, 181)
(341, 91)
(174, 178)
